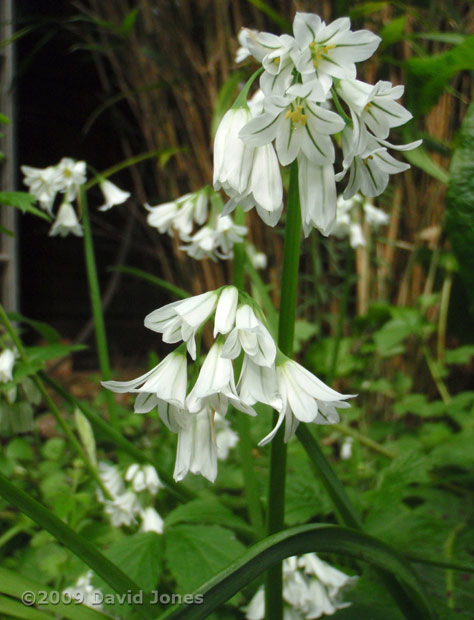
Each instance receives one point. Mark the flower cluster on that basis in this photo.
(125, 504)
(65, 179)
(348, 223)
(214, 240)
(307, 80)
(84, 592)
(267, 376)
(311, 589)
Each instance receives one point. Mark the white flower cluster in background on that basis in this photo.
(311, 589)
(216, 237)
(16, 401)
(84, 592)
(267, 376)
(310, 102)
(64, 180)
(348, 219)
(126, 505)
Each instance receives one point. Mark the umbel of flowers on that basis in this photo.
(310, 104)
(187, 402)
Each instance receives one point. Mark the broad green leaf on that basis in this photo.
(428, 76)
(208, 510)
(195, 553)
(24, 202)
(459, 201)
(295, 541)
(13, 609)
(46, 331)
(19, 449)
(393, 32)
(420, 158)
(129, 21)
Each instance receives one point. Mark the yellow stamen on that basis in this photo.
(296, 116)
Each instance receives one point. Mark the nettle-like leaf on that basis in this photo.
(205, 511)
(194, 553)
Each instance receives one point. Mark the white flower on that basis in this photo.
(297, 124)
(72, 174)
(122, 509)
(258, 259)
(249, 176)
(180, 320)
(258, 384)
(7, 361)
(151, 521)
(330, 51)
(255, 610)
(84, 592)
(66, 222)
(43, 183)
(113, 195)
(197, 450)
(215, 241)
(215, 385)
(225, 311)
(317, 191)
(143, 477)
(346, 449)
(243, 37)
(305, 398)
(233, 159)
(375, 105)
(180, 214)
(252, 336)
(166, 382)
(226, 438)
(375, 217)
(111, 479)
(334, 579)
(371, 167)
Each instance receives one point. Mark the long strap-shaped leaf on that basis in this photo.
(295, 541)
(109, 572)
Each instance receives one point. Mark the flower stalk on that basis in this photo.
(96, 303)
(286, 333)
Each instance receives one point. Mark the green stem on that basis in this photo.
(52, 405)
(286, 335)
(448, 552)
(443, 315)
(96, 303)
(433, 368)
(363, 439)
(252, 494)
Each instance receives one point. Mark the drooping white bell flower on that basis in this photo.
(181, 214)
(113, 195)
(216, 240)
(331, 577)
(72, 174)
(84, 592)
(258, 259)
(43, 184)
(297, 124)
(374, 216)
(215, 385)
(197, 451)
(167, 382)
(305, 398)
(375, 105)
(225, 311)
(317, 192)
(143, 477)
(180, 320)
(226, 438)
(123, 509)
(66, 222)
(151, 521)
(162, 216)
(111, 479)
(330, 51)
(7, 361)
(252, 336)
(258, 384)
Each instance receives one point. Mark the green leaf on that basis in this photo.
(49, 333)
(20, 450)
(195, 553)
(307, 538)
(208, 510)
(428, 76)
(167, 286)
(265, 8)
(129, 21)
(393, 32)
(139, 556)
(459, 201)
(6, 231)
(22, 201)
(420, 158)
(4, 120)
